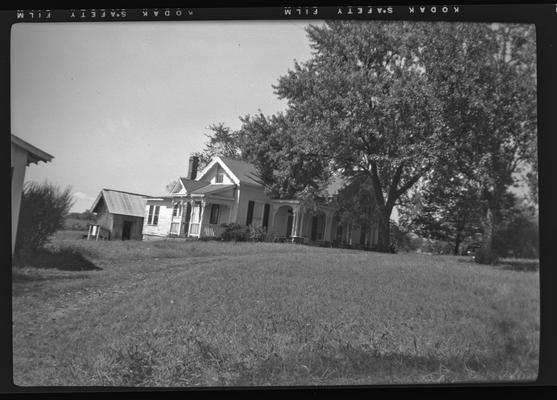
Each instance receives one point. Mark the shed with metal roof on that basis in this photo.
(119, 215)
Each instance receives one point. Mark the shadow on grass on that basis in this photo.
(520, 265)
(523, 265)
(357, 363)
(22, 277)
(64, 260)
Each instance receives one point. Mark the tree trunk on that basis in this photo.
(485, 254)
(384, 233)
(457, 241)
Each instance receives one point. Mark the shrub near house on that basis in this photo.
(43, 208)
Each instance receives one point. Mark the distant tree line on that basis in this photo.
(85, 215)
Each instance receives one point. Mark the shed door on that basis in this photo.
(126, 230)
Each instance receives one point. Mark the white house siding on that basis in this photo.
(211, 176)
(18, 163)
(162, 228)
(278, 228)
(235, 206)
(257, 195)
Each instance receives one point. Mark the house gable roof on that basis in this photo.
(239, 171)
(124, 203)
(191, 185)
(34, 154)
(244, 171)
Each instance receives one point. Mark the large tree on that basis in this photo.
(518, 233)
(221, 141)
(369, 106)
(445, 206)
(486, 80)
(393, 100)
(284, 156)
(284, 160)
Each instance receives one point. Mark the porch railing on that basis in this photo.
(212, 231)
(194, 228)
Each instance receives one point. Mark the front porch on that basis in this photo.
(294, 222)
(201, 217)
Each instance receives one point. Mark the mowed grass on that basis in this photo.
(175, 313)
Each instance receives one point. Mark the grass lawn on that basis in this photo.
(168, 313)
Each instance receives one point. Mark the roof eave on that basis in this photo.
(34, 153)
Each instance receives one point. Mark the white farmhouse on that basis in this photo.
(228, 191)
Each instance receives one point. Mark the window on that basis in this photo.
(220, 175)
(249, 218)
(257, 214)
(214, 214)
(153, 218)
(176, 210)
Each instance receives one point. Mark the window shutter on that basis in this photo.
(214, 214)
(249, 218)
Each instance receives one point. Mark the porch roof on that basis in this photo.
(299, 203)
(212, 189)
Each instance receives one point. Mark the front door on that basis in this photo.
(127, 230)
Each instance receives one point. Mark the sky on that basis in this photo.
(123, 105)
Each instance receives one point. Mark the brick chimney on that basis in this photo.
(192, 167)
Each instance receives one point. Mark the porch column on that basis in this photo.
(301, 227)
(296, 222)
(192, 205)
(272, 218)
(201, 217)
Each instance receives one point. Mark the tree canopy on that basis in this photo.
(395, 100)
(396, 105)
